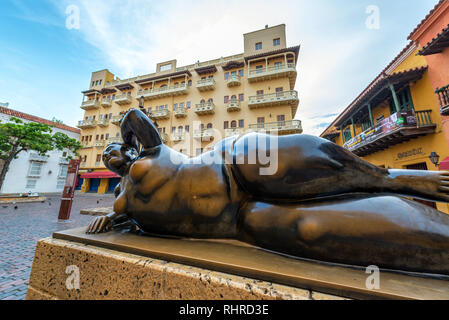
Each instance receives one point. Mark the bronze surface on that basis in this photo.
(241, 259)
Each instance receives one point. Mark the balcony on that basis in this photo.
(160, 114)
(85, 145)
(164, 136)
(90, 105)
(63, 160)
(116, 119)
(205, 84)
(204, 134)
(180, 112)
(115, 140)
(275, 72)
(163, 92)
(397, 128)
(233, 132)
(205, 108)
(177, 137)
(106, 103)
(274, 99)
(233, 105)
(103, 122)
(443, 97)
(233, 81)
(278, 127)
(85, 124)
(38, 158)
(123, 99)
(99, 143)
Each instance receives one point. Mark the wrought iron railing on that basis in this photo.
(443, 98)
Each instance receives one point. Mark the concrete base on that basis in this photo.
(119, 265)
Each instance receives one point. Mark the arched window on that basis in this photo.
(190, 83)
(210, 100)
(209, 126)
(233, 124)
(202, 101)
(202, 126)
(180, 128)
(233, 97)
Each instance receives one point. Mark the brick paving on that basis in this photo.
(23, 224)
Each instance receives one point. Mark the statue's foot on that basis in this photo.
(99, 224)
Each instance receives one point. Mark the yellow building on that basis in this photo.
(395, 122)
(195, 106)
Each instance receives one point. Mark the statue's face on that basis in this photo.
(117, 157)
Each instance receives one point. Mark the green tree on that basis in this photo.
(17, 136)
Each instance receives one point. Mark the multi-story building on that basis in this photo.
(195, 106)
(31, 171)
(396, 121)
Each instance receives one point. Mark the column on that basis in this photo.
(370, 115)
(395, 97)
(353, 127)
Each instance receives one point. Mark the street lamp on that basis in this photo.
(434, 158)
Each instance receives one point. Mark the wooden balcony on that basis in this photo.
(123, 99)
(160, 114)
(103, 122)
(274, 99)
(205, 84)
(233, 132)
(163, 92)
(177, 137)
(106, 103)
(116, 119)
(204, 134)
(233, 105)
(398, 128)
(278, 127)
(86, 124)
(275, 72)
(180, 112)
(233, 81)
(99, 143)
(205, 108)
(443, 98)
(90, 105)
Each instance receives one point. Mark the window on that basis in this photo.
(100, 82)
(258, 45)
(203, 78)
(188, 104)
(277, 65)
(199, 151)
(31, 184)
(226, 124)
(210, 77)
(259, 92)
(165, 67)
(173, 129)
(63, 171)
(290, 61)
(210, 100)
(347, 134)
(98, 157)
(175, 106)
(241, 123)
(180, 128)
(276, 42)
(187, 128)
(259, 68)
(404, 99)
(260, 122)
(190, 83)
(241, 97)
(107, 136)
(233, 73)
(93, 83)
(209, 126)
(226, 75)
(181, 105)
(60, 184)
(233, 97)
(226, 99)
(202, 101)
(35, 169)
(281, 119)
(233, 124)
(241, 73)
(279, 92)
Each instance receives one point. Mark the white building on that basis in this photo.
(31, 172)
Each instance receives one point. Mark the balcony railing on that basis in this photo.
(443, 97)
(123, 99)
(177, 136)
(116, 119)
(64, 160)
(89, 123)
(205, 108)
(180, 112)
(160, 114)
(233, 132)
(233, 80)
(233, 105)
(99, 143)
(115, 140)
(278, 127)
(106, 103)
(103, 122)
(85, 144)
(272, 72)
(205, 84)
(204, 134)
(273, 99)
(90, 104)
(37, 157)
(163, 92)
(399, 127)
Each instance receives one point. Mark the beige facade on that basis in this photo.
(196, 106)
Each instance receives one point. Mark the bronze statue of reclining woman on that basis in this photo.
(321, 203)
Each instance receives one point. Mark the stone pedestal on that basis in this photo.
(72, 265)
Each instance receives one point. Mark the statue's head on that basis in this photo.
(117, 157)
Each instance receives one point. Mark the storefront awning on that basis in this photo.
(99, 174)
(444, 165)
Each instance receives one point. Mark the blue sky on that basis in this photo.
(44, 66)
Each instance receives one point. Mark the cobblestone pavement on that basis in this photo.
(23, 224)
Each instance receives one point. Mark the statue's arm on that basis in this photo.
(137, 126)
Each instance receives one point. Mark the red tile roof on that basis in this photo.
(30, 117)
(426, 17)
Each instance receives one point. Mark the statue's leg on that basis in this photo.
(389, 232)
(308, 167)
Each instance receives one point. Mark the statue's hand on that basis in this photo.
(99, 224)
